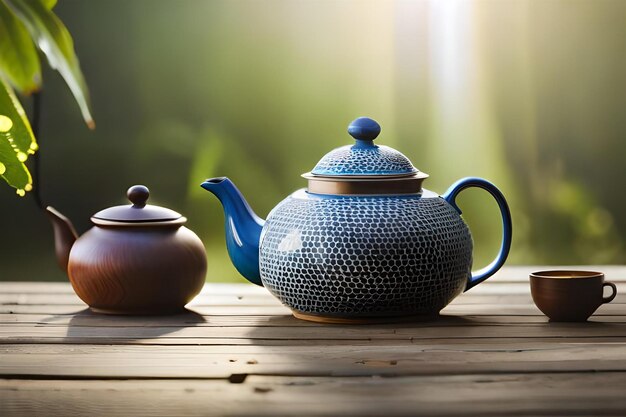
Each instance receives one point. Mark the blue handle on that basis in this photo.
(450, 196)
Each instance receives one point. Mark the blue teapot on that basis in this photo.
(364, 241)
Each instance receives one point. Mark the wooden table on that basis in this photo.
(239, 352)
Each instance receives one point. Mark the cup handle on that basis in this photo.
(612, 296)
(479, 276)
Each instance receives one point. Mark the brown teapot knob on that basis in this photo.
(138, 195)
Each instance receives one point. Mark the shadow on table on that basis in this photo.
(289, 330)
(441, 320)
(405, 348)
(96, 327)
(316, 349)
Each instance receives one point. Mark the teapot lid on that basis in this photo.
(364, 158)
(137, 213)
(365, 168)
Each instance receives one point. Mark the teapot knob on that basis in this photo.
(364, 129)
(138, 195)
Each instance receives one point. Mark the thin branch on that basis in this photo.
(37, 96)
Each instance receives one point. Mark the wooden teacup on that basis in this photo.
(569, 295)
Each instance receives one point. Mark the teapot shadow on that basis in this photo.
(329, 350)
(364, 327)
(100, 328)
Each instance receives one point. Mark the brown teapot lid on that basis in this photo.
(138, 212)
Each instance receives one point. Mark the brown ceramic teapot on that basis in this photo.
(137, 259)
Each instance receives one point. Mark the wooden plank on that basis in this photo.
(508, 309)
(72, 299)
(99, 362)
(58, 288)
(204, 310)
(506, 293)
(264, 300)
(470, 395)
(510, 346)
(526, 309)
(462, 329)
(34, 287)
(300, 342)
(497, 284)
(19, 287)
(90, 319)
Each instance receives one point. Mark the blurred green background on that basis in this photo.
(529, 94)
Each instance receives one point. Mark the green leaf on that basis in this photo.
(16, 141)
(56, 43)
(19, 62)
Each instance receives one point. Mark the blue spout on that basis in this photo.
(243, 228)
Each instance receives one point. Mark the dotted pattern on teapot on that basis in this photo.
(365, 256)
(374, 160)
